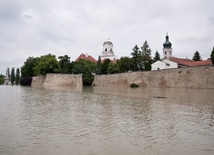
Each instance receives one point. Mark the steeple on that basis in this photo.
(167, 44)
(167, 47)
(108, 52)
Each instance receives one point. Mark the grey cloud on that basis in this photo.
(33, 28)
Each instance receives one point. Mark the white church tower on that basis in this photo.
(167, 48)
(108, 51)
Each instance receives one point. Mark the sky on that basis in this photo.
(71, 27)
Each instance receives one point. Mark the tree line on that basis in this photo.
(140, 60)
(13, 77)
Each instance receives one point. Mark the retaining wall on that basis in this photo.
(57, 80)
(190, 77)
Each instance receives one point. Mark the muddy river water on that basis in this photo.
(106, 121)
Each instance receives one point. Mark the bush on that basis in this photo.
(26, 81)
(134, 85)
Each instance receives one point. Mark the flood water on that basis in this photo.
(106, 121)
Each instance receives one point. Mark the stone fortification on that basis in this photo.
(190, 77)
(57, 80)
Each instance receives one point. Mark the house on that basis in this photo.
(86, 57)
(168, 61)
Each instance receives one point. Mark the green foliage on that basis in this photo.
(147, 65)
(17, 78)
(26, 81)
(65, 64)
(197, 56)
(46, 64)
(125, 64)
(113, 68)
(87, 69)
(99, 66)
(136, 56)
(28, 68)
(1, 79)
(134, 85)
(146, 51)
(105, 66)
(212, 56)
(12, 76)
(157, 56)
(141, 58)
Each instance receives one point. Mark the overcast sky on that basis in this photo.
(71, 27)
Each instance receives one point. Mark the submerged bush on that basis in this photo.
(134, 85)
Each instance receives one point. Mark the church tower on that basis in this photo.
(108, 51)
(167, 48)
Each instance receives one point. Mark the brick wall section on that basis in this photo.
(57, 80)
(190, 77)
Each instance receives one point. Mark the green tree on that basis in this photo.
(125, 64)
(79, 67)
(99, 66)
(27, 70)
(12, 78)
(157, 56)
(113, 68)
(146, 51)
(65, 64)
(212, 56)
(136, 56)
(105, 66)
(197, 56)
(2, 79)
(46, 64)
(17, 78)
(146, 57)
(87, 69)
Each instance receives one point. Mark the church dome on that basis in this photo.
(167, 43)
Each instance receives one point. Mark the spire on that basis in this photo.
(167, 43)
(167, 36)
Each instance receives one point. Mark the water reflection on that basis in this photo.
(106, 121)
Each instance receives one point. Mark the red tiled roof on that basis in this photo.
(190, 63)
(86, 57)
(179, 60)
(197, 63)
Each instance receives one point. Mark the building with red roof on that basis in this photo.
(86, 57)
(173, 62)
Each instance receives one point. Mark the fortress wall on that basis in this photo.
(57, 80)
(190, 77)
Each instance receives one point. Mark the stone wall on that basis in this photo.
(57, 80)
(190, 77)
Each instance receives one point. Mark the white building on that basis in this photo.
(168, 61)
(164, 64)
(107, 52)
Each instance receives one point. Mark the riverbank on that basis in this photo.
(190, 77)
